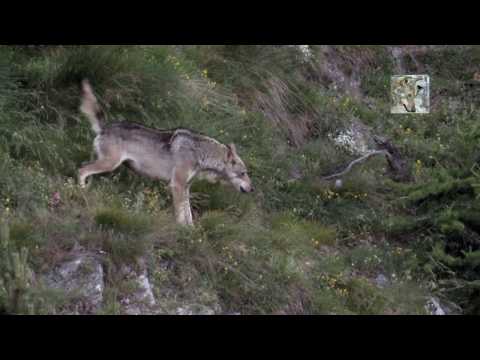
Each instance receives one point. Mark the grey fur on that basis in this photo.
(176, 156)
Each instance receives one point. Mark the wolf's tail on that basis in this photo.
(91, 108)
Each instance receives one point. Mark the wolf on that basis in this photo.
(405, 91)
(176, 156)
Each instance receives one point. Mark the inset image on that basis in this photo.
(410, 94)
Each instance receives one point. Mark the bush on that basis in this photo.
(120, 220)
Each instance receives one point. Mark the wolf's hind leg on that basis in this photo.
(98, 167)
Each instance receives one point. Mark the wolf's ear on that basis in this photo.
(232, 152)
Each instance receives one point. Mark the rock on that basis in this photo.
(141, 300)
(434, 308)
(173, 300)
(381, 281)
(338, 184)
(333, 69)
(357, 138)
(442, 307)
(454, 105)
(398, 55)
(195, 309)
(82, 279)
(304, 51)
(204, 302)
(295, 173)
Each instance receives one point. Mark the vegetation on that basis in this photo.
(299, 245)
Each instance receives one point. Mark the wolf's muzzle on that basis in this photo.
(242, 189)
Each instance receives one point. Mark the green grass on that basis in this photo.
(295, 246)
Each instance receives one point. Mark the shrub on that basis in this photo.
(122, 221)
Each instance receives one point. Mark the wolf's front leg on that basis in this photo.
(178, 206)
(187, 208)
(181, 205)
(180, 187)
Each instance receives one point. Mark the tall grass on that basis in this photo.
(286, 249)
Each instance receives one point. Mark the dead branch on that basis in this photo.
(399, 169)
(358, 161)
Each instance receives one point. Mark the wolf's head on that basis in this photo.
(407, 91)
(236, 171)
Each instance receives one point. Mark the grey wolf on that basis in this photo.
(405, 91)
(176, 156)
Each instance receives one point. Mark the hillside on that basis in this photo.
(398, 234)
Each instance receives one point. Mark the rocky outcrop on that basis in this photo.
(330, 69)
(381, 281)
(196, 309)
(434, 308)
(357, 138)
(141, 300)
(81, 278)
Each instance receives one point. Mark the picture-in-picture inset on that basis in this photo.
(410, 94)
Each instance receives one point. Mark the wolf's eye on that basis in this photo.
(243, 174)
